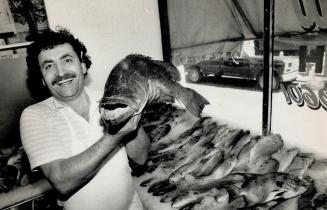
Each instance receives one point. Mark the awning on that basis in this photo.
(7, 25)
(199, 29)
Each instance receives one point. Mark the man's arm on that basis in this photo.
(138, 148)
(68, 175)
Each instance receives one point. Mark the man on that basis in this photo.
(62, 135)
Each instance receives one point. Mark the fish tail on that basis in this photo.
(193, 101)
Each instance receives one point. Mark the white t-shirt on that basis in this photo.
(51, 131)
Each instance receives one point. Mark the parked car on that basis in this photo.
(285, 69)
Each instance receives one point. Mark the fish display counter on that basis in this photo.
(201, 163)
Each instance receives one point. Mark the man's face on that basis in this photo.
(62, 71)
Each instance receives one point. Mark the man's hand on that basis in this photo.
(129, 130)
(131, 125)
(124, 131)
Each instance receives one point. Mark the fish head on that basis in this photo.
(263, 188)
(126, 92)
(290, 186)
(277, 140)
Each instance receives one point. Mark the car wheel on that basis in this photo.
(194, 75)
(217, 76)
(275, 85)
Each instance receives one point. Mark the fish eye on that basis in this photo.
(280, 194)
(279, 183)
(299, 181)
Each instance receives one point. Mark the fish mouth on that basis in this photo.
(116, 110)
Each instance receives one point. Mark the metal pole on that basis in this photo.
(165, 34)
(268, 65)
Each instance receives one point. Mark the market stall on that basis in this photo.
(216, 161)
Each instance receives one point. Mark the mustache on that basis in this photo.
(64, 77)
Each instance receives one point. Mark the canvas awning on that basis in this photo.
(7, 25)
(199, 29)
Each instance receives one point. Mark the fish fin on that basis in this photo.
(146, 182)
(143, 104)
(275, 194)
(157, 185)
(164, 190)
(193, 101)
(170, 68)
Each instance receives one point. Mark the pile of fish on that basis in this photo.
(199, 163)
(14, 168)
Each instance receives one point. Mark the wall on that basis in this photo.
(110, 29)
(14, 98)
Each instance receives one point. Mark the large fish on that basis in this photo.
(255, 189)
(285, 157)
(300, 164)
(318, 172)
(266, 145)
(138, 80)
(213, 199)
(271, 186)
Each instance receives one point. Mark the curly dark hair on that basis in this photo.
(48, 40)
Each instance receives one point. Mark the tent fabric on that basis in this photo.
(201, 28)
(204, 52)
(196, 22)
(291, 16)
(6, 20)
